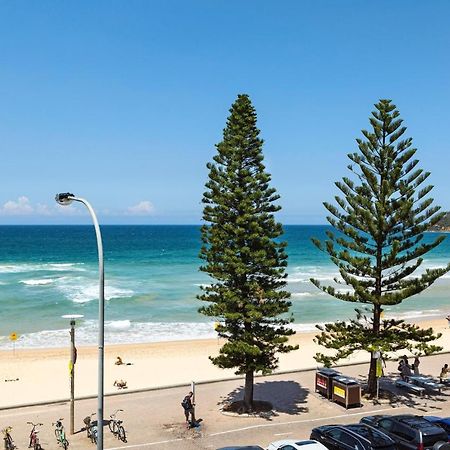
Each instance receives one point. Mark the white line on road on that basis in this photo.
(274, 424)
(266, 425)
(282, 434)
(148, 444)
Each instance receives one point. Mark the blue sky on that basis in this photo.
(121, 102)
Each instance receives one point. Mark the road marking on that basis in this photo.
(266, 425)
(147, 444)
(282, 434)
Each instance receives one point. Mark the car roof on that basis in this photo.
(375, 436)
(419, 423)
(438, 419)
(309, 444)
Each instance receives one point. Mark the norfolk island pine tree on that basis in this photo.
(380, 219)
(243, 255)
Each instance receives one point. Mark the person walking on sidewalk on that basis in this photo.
(188, 407)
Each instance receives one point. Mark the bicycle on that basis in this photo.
(60, 434)
(91, 428)
(34, 440)
(116, 427)
(9, 443)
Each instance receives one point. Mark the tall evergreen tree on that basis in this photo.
(242, 253)
(380, 220)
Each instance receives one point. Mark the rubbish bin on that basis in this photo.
(324, 379)
(346, 391)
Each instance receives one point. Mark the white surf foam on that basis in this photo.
(116, 332)
(38, 282)
(52, 267)
(83, 290)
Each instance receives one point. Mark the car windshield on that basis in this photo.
(376, 438)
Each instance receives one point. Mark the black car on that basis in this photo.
(410, 432)
(352, 437)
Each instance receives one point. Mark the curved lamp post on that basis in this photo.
(67, 199)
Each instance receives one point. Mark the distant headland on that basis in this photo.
(443, 224)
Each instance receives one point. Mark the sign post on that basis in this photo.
(193, 396)
(379, 369)
(73, 360)
(13, 337)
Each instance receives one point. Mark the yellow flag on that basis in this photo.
(70, 367)
(379, 368)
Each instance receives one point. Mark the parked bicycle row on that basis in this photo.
(378, 432)
(115, 426)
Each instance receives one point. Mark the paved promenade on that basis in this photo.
(155, 420)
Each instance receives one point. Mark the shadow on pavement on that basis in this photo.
(394, 396)
(286, 396)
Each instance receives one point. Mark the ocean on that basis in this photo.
(152, 278)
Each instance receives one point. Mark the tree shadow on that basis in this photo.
(285, 396)
(396, 396)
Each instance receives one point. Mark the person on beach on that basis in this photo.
(119, 361)
(448, 320)
(188, 407)
(416, 365)
(404, 369)
(444, 373)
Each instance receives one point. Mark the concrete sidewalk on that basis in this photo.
(155, 420)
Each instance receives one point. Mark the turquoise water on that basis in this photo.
(152, 279)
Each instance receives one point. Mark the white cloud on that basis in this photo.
(143, 208)
(21, 207)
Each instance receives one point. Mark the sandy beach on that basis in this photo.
(28, 376)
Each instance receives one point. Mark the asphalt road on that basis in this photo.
(155, 419)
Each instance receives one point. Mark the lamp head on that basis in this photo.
(65, 198)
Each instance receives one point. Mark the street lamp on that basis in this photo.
(67, 199)
(73, 360)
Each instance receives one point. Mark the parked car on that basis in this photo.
(292, 444)
(410, 432)
(352, 437)
(443, 422)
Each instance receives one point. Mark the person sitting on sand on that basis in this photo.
(121, 384)
(119, 361)
(444, 373)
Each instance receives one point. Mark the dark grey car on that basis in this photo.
(410, 432)
(352, 437)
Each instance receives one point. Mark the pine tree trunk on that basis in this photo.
(248, 392)
(372, 381)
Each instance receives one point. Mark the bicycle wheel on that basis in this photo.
(112, 426)
(65, 443)
(121, 433)
(9, 444)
